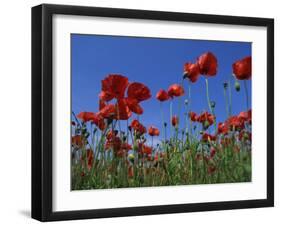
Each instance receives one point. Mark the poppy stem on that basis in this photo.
(226, 101)
(209, 103)
(246, 93)
(230, 95)
(171, 116)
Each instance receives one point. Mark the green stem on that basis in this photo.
(209, 103)
(247, 95)
(230, 96)
(171, 116)
(226, 102)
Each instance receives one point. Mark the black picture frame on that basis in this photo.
(42, 111)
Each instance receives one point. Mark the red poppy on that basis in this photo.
(106, 96)
(246, 116)
(86, 116)
(98, 120)
(134, 106)
(138, 127)
(235, 123)
(153, 131)
(208, 64)
(222, 128)
(245, 135)
(114, 86)
(130, 171)
(206, 117)
(90, 158)
(138, 91)
(114, 143)
(162, 95)
(242, 69)
(175, 120)
(144, 149)
(212, 152)
(175, 90)
(126, 147)
(78, 140)
(211, 169)
(208, 137)
(102, 104)
(193, 116)
(108, 111)
(122, 111)
(191, 71)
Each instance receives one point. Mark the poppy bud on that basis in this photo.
(225, 85)
(185, 75)
(186, 102)
(131, 157)
(87, 134)
(237, 86)
(213, 104)
(206, 124)
(165, 124)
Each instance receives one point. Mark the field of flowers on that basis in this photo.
(202, 151)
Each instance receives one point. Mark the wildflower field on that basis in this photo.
(113, 148)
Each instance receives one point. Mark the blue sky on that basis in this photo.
(157, 63)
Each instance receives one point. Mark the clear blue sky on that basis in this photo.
(157, 63)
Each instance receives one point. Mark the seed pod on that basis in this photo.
(237, 86)
(213, 104)
(225, 85)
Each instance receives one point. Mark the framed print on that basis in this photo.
(146, 112)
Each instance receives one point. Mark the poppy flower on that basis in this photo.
(206, 118)
(90, 158)
(175, 120)
(138, 91)
(127, 147)
(122, 111)
(130, 171)
(212, 152)
(211, 169)
(138, 127)
(222, 128)
(86, 116)
(114, 86)
(102, 104)
(162, 95)
(245, 135)
(77, 140)
(106, 96)
(242, 69)
(153, 131)
(144, 149)
(235, 123)
(208, 64)
(193, 116)
(108, 111)
(134, 106)
(208, 137)
(111, 134)
(175, 90)
(191, 71)
(114, 143)
(246, 116)
(98, 120)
